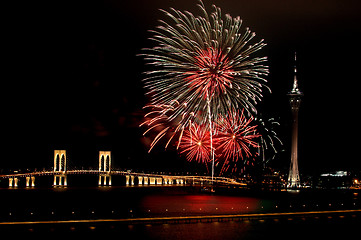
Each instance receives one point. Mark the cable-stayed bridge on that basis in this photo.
(105, 173)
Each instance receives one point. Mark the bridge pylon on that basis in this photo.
(60, 178)
(13, 182)
(30, 181)
(105, 163)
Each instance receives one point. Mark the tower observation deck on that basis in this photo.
(295, 100)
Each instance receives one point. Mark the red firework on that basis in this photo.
(235, 138)
(213, 74)
(205, 64)
(196, 143)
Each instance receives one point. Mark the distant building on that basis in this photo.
(335, 180)
(335, 174)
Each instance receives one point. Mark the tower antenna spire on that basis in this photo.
(295, 81)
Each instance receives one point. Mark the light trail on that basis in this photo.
(185, 218)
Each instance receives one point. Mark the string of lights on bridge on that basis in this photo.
(105, 173)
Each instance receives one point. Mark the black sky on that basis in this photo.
(72, 79)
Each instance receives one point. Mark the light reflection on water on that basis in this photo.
(324, 227)
(122, 202)
(259, 229)
(116, 202)
(216, 230)
(200, 204)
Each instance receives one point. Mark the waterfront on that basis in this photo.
(327, 227)
(75, 204)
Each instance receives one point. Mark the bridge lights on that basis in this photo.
(105, 168)
(60, 168)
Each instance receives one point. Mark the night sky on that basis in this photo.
(72, 79)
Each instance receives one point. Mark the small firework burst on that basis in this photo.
(196, 144)
(234, 142)
(236, 137)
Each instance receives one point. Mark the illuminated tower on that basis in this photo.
(295, 100)
(105, 164)
(60, 168)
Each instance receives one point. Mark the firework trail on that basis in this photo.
(269, 141)
(157, 119)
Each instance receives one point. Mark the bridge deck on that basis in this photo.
(220, 180)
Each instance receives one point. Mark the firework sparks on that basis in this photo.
(206, 65)
(196, 144)
(158, 119)
(269, 141)
(235, 138)
(204, 55)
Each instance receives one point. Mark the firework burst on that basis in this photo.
(196, 144)
(203, 62)
(207, 66)
(235, 139)
(235, 136)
